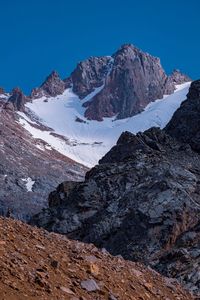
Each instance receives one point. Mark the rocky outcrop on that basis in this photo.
(90, 74)
(143, 199)
(16, 100)
(38, 265)
(135, 79)
(51, 87)
(183, 260)
(137, 202)
(178, 78)
(185, 123)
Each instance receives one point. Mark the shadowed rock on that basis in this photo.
(185, 123)
(17, 100)
(143, 199)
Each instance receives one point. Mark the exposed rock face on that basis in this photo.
(49, 266)
(185, 123)
(28, 170)
(136, 79)
(17, 100)
(51, 87)
(183, 260)
(90, 74)
(137, 202)
(142, 201)
(178, 78)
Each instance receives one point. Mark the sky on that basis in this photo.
(39, 36)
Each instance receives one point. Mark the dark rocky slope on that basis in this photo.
(185, 123)
(22, 157)
(142, 201)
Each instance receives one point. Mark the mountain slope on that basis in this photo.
(37, 265)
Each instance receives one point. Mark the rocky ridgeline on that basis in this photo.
(45, 266)
(135, 79)
(130, 79)
(185, 123)
(142, 201)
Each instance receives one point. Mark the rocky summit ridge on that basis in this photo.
(127, 81)
(143, 199)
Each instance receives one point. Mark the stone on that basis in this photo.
(67, 290)
(90, 285)
(55, 264)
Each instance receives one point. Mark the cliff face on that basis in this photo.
(136, 78)
(185, 123)
(90, 74)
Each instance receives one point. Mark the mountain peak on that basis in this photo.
(51, 87)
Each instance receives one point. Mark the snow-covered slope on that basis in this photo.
(87, 141)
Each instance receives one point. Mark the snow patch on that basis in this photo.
(29, 183)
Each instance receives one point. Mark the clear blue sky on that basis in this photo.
(38, 36)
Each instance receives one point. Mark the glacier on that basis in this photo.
(86, 141)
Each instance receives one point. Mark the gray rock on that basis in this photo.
(90, 285)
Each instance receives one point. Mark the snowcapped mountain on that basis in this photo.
(83, 116)
(61, 123)
(66, 126)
